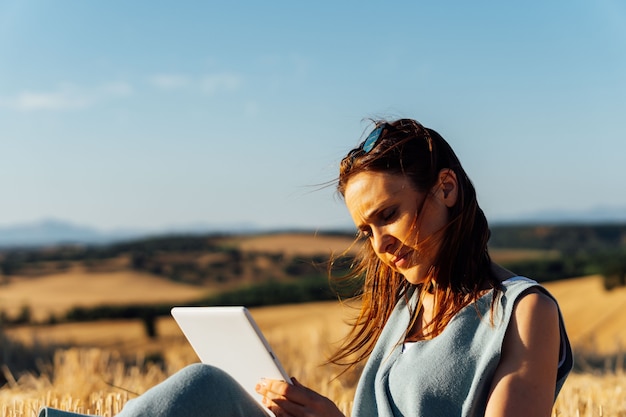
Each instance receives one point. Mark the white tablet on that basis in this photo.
(229, 338)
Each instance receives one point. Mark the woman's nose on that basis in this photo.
(382, 240)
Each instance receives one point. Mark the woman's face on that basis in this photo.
(400, 222)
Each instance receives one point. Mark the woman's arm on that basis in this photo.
(296, 400)
(524, 382)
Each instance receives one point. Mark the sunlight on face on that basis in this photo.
(400, 222)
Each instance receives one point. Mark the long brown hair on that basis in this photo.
(462, 263)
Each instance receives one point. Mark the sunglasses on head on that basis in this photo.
(374, 136)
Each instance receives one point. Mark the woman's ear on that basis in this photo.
(447, 188)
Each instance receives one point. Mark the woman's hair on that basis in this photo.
(461, 266)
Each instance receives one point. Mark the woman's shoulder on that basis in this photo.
(534, 308)
(524, 299)
(535, 303)
(520, 287)
(528, 295)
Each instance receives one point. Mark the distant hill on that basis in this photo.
(591, 216)
(54, 231)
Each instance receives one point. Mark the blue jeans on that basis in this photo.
(196, 390)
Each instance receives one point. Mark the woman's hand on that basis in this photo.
(286, 400)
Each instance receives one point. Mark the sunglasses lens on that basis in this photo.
(372, 138)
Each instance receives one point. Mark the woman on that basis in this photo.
(445, 331)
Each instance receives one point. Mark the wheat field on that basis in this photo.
(109, 363)
(95, 381)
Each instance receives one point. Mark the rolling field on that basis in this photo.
(92, 375)
(295, 244)
(57, 293)
(595, 320)
(102, 365)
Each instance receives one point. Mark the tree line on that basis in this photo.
(257, 278)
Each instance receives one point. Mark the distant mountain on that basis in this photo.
(594, 215)
(51, 231)
(54, 232)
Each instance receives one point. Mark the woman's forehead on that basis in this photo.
(368, 188)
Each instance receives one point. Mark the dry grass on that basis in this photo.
(91, 380)
(84, 379)
(590, 395)
(103, 367)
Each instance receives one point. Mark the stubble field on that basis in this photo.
(105, 364)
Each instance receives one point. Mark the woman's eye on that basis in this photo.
(388, 214)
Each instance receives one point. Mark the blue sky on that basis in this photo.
(154, 114)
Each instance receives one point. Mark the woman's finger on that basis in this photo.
(295, 400)
(280, 389)
(282, 407)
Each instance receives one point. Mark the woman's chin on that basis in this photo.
(414, 276)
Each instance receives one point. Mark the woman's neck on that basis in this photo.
(423, 325)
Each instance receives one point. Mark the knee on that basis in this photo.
(200, 373)
(194, 387)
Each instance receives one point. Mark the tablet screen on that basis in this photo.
(229, 338)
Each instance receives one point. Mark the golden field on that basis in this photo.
(104, 364)
(116, 284)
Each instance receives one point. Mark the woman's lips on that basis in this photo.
(400, 260)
